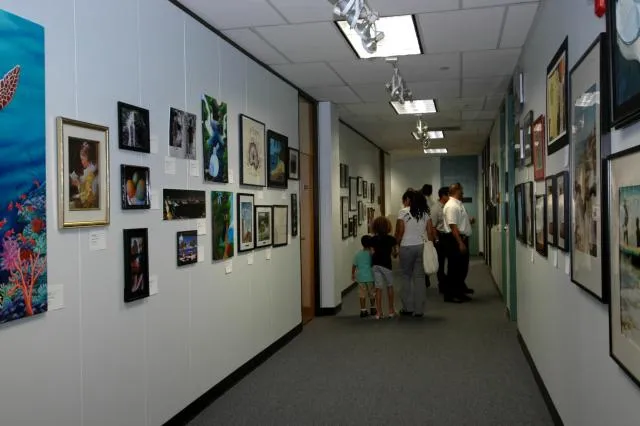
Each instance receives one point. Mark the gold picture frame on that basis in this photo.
(83, 174)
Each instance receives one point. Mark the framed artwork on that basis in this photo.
(354, 221)
(186, 248)
(520, 214)
(527, 139)
(539, 147)
(552, 198)
(277, 157)
(528, 213)
(253, 151)
(215, 147)
(246, 236)
(360, 213)
(83, 174)
(541, 224)
(263, 226)
(345, 221)
(222, 231)
(562, 210)
(624, 245)
(135, 187)
(518, 147)
(180, 204)
(590, 121)
(23, 183)
(624, 32)
(294, 164)
(365, 190)
(359, 187)
(372, 193)
(371, 215)
(182, 134)
(136, 264)
(344, 176)
(280, 225)
(133, 128)
(294, 215)
(353, 194)
(557, 100)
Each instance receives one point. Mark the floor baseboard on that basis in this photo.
(327, 312)
(555, 416)
(349, 289)
(196, 407)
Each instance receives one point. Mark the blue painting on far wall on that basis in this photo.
(23, 220)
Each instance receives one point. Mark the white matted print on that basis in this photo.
(280, 225)
(253, 147)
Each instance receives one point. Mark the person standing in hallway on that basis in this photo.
(413, 223)
(384, 246)
(457, 228)
(427, 191)
(362, 273)
(437, 219)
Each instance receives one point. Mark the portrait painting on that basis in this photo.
(186, 248)
(280, 225)
(222, 225)
(294, 164)
(215, 148)
(181, 204)
(133, 128)
(136, 264)
(263, 226)
(182, 134)
(135, 187)
(253, 150)
(246, 236)
(277, 156)
(557, 107)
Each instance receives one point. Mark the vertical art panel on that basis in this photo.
(23, 222)
(222, 225)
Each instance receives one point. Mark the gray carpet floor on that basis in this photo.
(460, 365)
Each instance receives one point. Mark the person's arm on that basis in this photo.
(456, 233)
(394, 245)
(399, 230)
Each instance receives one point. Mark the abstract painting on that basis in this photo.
(294, 164)
(135, 187)
(23, 259)
(136, 264)
(253, 150)
(182, 134)
(222, 225)
(280, 226)
(214, 140)
(246, 236)
(183, 204)
(277, 155)
(294, 215)
(557, 97)
(133, 128)
(264, 226)
(186, 248)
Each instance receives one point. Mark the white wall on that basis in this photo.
(566, 330)
(99, 361)
(412, 172)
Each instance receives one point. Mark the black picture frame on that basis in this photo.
(372, 193)
(365, 189)
(294, 215)
(541, 222)
(527, 139)
(136, 265)
(529, 203)
(521, 232)
(259, 152)
(267, 242)
(563, 202)
(552, 208)
(354, 221)
(277, 160)
(284, 212)
(293, 164)
(141, 127)
(249, 243)
(183, 204)
(345, 220)
(344, 176)
(359, 188)
(136, 175)
(360, 213)
(186, 255)
(353, 194)
(560, 60)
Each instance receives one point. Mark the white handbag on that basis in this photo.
(430, 258)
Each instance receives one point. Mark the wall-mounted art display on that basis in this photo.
(187, 248)
(590, 120)
(344, 217)
(280, 226)
(552, 199)
(371, 215)
(527, 139)
(294, 215)
(557, 100)
(83, 174)
(350, 226)
(182, 134)
(294, 164)
(277, 158)
(23, 256)
(344, 176)
(520, 214)
(133, 128)
(365, 190)
(253, 151)
(353, 194)
(360, 213)
(135, 187)
(215, 148)
(528, 212)
(183, 204)
(354, 222)
(539, 148)
(263, 226)
(222, 232)
(518, 146)
(562, 210)
(246, 236)
(136, 264)
(359, 186)
(541, 224)
(372, 193)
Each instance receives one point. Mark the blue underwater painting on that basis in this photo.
(214, 139)
(23, 220)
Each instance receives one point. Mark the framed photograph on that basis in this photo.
(135, 187)
(541, 224)
(557, 100)
(280, 225)
(83, 174)
(354, 221)
(246, 209)
(180, 204)
(344, 176)
(360, 213)
(215, 147)
(294, 215)
(372, 193)
(590, 122)
(345, 221)
(294, 164)
(518, 146)
(253, 152)
(562, 210)
(222, 231)
(529, 229)
(359, 186)
(277, 157)
(187, 248)
(520, 213)
(365, 190)
(136, 264)
(182, 134)
(539, 147)
(263, 226)
(133, 128)
(552, 197)
(527, 139)
(353, 194)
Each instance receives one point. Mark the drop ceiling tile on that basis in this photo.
(489, 63)
(518, 24)
(312, 42)
(299, 11)
(225, 15)
(484, 3)
(459, 31)
(255, 45)
(435, 89)
(336, 94)
(375, 92)
(406, 7)
(479, 115)
(477, 87)
(359, 71)
(309, 74)
(460, 104)
(478, 126)
(430, 67)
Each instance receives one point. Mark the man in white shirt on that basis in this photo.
(437, 218)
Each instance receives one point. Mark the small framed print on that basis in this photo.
(135, 187)
(280, 225)
(344, 176)
(518, 146)
(562, 210)
(528, 222)
(557, 100)
(552, 198)
(372, 193)
(215, 147)
(253, 152)
(365, 190)
(294, 215)
(541, 224)
(186, 248)
(263, 226)
(182, 134)
(539, 147)
(83, 174)
(136, 264)
(520, 214)
(527, 139)
(246, 236)
(359, 186)
(354, 221)
(360, 213)
(294, 164)
(277, 158)
(222, 226)
(133, 128)
(353, 194)
(345, 221)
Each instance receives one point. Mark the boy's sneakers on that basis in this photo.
(364, 313)
(373, 312)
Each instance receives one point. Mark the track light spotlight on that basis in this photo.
(362, 19)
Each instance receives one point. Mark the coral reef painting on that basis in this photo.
(222, 225)
(23, 220)
(214, 140)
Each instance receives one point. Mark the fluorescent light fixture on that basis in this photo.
(434, 134)
(400, 37)
(424, 106)
(436, 151)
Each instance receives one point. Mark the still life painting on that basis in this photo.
(135, 187)
(222, 225)
(214, 140)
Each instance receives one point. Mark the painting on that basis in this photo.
(562, 210)
(552, 197)
(246, 237)
(280, 226)
(215, 149)
(371, 215)
(83, 174)
(372, 193)
(539, 147)
(344, 176)
(133, 128)
(360, 213)
(520, 213)
(182, 134)
(23, 256)
(541, 224)
(294, 215)
(353, 194)
(294, 164)
(557, 97)
(222, 232)
(527, 139)
(135, 187)
(136, 264)
(344, 217)
(359, 186)
(263, 226)
(365, 190)
(354, 226)
(528, 212)
(277, 156)
(186, 248)
(589, 121)
(253, 150)
(179, 204)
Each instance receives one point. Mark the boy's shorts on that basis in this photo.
(365, 290)
(383, 277)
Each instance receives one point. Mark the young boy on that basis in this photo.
(362, 274)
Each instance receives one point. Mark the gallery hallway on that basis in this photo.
(460, 365)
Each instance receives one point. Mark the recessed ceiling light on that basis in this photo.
(400, 37)
(425, 106)
(436, 151)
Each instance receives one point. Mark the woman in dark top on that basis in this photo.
(384, 246)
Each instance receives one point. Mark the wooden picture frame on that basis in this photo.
(136, 264)
(557, 99)
(253, 152)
